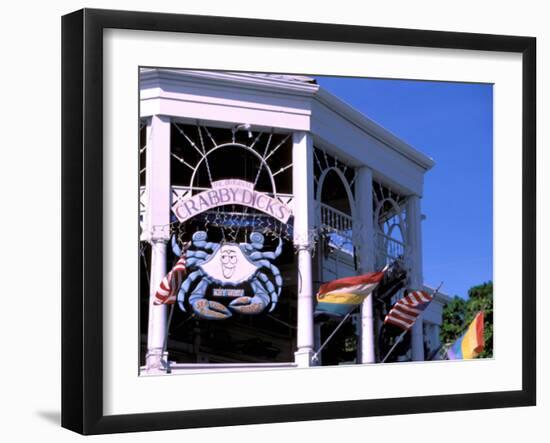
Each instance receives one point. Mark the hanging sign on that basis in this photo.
(224, 267)
(231, 192)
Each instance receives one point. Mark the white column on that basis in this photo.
(414, 243)
(302, 188)
(157, 231)
(364, 239)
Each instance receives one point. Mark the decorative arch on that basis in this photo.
(195, 147)
(262, 160)
(397, 213)
(391, 242)
(344, 182)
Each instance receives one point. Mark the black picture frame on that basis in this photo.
(82, 190)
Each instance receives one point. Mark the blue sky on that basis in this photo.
(453, 124)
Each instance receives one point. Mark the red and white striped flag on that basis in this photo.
(170, 284)
(405, 312)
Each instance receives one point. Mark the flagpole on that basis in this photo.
(394, 345)
(316, 355)
(166, 363)
(407, 330)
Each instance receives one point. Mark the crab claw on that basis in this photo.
(248, 305)
(210, 310)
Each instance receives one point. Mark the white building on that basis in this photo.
(352, 188)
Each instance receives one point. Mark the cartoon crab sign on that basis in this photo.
(229, 265)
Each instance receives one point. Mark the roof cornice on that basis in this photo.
(374, 129)
(245, 80)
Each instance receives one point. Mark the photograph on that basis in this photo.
(270, 221)
(296, 220)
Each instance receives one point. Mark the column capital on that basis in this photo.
(159, 234)
(305, 242)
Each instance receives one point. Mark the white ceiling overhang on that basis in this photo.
(286, 103)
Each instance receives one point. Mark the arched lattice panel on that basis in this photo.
(390, 231)
(324, 161)
(335, 198)
(201, 155)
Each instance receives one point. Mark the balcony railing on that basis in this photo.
(340, 228)
(388, 249)
(335, 219)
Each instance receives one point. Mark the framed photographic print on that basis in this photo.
(271, 221)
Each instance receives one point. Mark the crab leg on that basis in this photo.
(251, 305)
(175, 247)
(184, 288)
(274, 270)
(273, 255)
(270, 289)
(195, 258)
(208, 309)
(199, 241)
